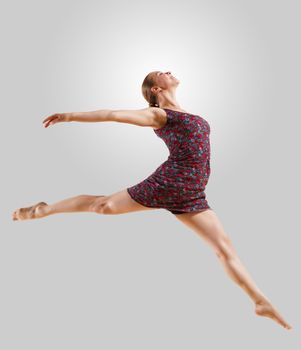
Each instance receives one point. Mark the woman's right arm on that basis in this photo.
(150, 116)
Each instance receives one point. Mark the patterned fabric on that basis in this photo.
(178, 184)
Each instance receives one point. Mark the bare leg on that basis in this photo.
(117, 203)
(79, 203)
(207, 225)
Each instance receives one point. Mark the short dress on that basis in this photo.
(178, 184)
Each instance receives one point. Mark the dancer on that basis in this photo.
(177, 185)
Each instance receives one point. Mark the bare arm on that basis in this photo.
(141, 117)
(102, 115)
(97, 116)
(151, 117)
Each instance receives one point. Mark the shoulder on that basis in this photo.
(160, 117)
(155, 111)
(157, 116)
(151, 116)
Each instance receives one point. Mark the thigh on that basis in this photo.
(119, 203)
(208, 226)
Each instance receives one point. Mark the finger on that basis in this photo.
(52, 116)
(46, 119)
(52, 120)
(47, 124)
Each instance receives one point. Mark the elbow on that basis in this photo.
(113, 115)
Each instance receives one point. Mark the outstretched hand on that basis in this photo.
(55, 118)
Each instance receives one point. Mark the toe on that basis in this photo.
(15, 215)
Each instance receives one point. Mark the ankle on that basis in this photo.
(262, 300)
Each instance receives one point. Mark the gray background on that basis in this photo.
(143, 280)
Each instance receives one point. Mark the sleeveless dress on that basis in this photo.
(178, 184)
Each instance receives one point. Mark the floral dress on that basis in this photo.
(178, 184)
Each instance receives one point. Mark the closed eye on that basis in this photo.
(164, 73)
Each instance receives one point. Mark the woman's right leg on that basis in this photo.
(208, 226)
(116, 203)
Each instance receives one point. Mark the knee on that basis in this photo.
(102, 205)
(224, 248)
(108, 208)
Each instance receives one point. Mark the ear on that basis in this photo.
(154, 89)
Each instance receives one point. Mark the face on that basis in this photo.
(165, 80)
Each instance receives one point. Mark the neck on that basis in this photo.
(168, 99)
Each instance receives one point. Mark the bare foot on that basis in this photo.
(265, 308)
(33, 212)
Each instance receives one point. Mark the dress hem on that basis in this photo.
(176, 212)
(138, 201)
(160, 207)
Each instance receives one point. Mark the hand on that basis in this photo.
(56, 118)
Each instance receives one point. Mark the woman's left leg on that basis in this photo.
(208, 226)
(117, 203)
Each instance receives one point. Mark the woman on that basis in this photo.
(177, 185)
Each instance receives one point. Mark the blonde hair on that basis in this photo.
(148, 82)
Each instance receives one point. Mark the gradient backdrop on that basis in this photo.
(143, 280)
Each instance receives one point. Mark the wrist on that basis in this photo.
(69, 117)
